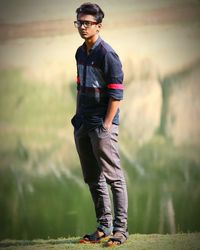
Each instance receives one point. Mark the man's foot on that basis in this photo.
(97, 237)
(117, 239)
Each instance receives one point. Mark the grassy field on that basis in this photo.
(135, 242)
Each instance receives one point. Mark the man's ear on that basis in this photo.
(99, 25)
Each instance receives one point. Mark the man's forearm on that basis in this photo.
(113, 106)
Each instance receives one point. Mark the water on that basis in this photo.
(163, 188)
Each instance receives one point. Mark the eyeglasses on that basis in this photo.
(86, 24)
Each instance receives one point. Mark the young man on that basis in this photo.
(99, 91)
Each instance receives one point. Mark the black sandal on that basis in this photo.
(94, 238)
(117, 239)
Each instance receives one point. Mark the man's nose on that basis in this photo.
(82, 26)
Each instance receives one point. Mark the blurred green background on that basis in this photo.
(42, 193)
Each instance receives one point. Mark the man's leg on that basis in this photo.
(105, 147)
(101, 199)
(95, 179)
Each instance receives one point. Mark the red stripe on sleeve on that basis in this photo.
(78, 80)
(115, 86)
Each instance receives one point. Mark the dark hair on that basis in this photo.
(91, 9)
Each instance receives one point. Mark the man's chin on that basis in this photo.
(84, 36)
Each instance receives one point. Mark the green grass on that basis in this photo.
(135, 242)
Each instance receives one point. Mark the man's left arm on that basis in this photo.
(114, 78)
(113, 106)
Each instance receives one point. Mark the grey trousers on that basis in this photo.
(100, 162)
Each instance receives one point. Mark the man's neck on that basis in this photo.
(91, 41)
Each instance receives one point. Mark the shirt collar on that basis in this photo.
(94, 46)
(96, 43)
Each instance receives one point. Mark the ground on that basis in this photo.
(135, 242)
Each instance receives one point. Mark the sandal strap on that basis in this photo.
(90, 237)
(118, 237)
(106, 230)
(93, 236)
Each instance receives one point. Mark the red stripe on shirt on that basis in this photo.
(115, 86)
(78, 80)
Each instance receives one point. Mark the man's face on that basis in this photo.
(88, 29)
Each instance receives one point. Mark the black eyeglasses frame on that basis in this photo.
(85, 23)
